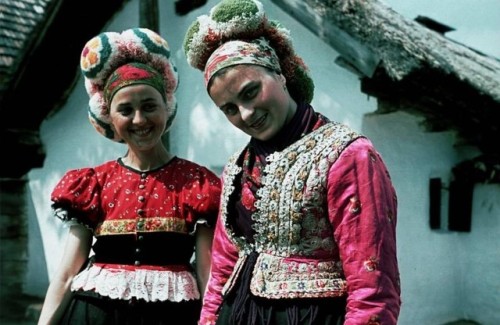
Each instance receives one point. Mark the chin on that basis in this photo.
(264, 136)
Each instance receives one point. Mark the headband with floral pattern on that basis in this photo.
(257, 52)
(133, 73)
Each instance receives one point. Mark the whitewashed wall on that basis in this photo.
(445, 275)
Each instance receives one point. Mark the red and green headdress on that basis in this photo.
(209, 41)
(110, 61)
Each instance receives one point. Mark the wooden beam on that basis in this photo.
(148, 14)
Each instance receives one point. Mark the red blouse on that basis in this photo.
(137, 218)
(114, 199)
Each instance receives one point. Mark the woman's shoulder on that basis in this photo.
(340, 129)
(84, 177)
(86, 172)
(77, 194)
(189, 166)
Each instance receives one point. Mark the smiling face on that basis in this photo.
(254, 99)
(138, 114)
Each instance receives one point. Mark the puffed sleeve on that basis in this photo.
(362, 207)
(224, 257)
(209, 191)
(201, 196)
(77, 196)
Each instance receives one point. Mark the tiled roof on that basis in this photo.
(19, 25)
(30, 34)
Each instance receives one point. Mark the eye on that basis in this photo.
(229, 109)
(149, 107)
(250, 92)
(124, 110)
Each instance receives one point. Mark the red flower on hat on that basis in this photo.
(133, 73)
(127, 73)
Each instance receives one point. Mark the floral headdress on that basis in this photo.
(106, 52)
(245, 20)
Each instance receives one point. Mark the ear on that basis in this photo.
(281, 78)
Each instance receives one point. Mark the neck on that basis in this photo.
(145, 161)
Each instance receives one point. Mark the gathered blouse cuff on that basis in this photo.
(202, 222)
(67, 217)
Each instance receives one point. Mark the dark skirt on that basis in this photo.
(318, 311)
(241, 307)
(89, 308)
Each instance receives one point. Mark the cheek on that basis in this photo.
(280, 99)
(234, 120)
(273, 93)
(231, 118)
(163, 116)
(113, 114)
(117, 120)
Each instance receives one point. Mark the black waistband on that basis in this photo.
(145, 249)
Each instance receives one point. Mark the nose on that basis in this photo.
(138, 117)
(246, 112)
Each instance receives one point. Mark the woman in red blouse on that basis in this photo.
(307, 228)
(144, 214)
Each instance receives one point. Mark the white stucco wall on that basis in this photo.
(445, 275)
(479, 257)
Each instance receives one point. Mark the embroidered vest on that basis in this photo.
(298, 257)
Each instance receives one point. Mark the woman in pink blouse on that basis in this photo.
(306, 233)
(143, 215)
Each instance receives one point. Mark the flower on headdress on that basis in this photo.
(90, 54)
(133, 73)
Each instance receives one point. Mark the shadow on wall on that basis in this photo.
(462, 322)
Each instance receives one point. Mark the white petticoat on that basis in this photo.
(147, 284)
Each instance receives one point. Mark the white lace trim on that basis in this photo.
(150, 285)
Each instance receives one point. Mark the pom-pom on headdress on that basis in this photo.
(245, 20)
(106, 52)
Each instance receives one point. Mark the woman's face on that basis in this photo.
(254, 99)
(139, 114)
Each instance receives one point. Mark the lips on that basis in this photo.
(143, 132)
(257, 124)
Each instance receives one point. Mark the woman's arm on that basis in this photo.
(76, 252)
(363, 209)
(224, 257)
(204, 237)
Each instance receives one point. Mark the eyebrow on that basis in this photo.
(142, 101)
(148, 99)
